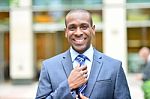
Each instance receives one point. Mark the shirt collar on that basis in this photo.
(148, 58)
(88, 53)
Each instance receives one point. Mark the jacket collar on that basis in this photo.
(95, 69)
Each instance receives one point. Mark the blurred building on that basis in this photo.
(33, 30)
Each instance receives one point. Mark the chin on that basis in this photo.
(79, 49)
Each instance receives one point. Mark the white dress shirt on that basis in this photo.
(88, 53)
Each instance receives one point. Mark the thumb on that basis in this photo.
(78, 65)
(83, 97)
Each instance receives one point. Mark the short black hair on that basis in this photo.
(79, 10)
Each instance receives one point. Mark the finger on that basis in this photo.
(77, 67)
(85, 71)
(81, 73)
(84, 67)
(83, 97)
(77, 97)
(85, 75)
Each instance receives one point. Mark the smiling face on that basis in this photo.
(144, 53)
(79, 30)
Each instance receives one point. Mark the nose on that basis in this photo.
(78, 32)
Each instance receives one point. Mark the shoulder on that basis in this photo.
(111, 66)
(108, 62)
(56, 59)
(105, 57)
(111, 60)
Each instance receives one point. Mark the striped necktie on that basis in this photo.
(81, 60)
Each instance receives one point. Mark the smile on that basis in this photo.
(79, 41)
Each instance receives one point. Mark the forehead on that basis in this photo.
(77, 18)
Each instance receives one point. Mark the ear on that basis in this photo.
(93, 30)
(65, 32)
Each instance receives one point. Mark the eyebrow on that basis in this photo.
(71, 25)
(79, 25)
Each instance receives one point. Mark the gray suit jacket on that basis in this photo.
(146, 72)
(106, 81)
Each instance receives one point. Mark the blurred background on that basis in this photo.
(33, 30)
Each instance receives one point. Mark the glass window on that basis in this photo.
(138, 1)
(65, 2)
(138, 31)
(4, 40)
(4, 3)
(142, 14)
(137, 37)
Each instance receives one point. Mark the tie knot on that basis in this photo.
(81, 59)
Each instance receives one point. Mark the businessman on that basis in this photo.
(81, 72)
(144, 54)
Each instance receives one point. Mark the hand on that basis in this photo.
(139, 76)
(82, 97)
(77, 77)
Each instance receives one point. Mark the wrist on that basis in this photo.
(70, 85)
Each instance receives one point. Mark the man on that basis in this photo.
(99, 77)
(144, 54)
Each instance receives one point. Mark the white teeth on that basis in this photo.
(79, 40)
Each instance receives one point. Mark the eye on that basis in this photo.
(84, 27)
(72, 28)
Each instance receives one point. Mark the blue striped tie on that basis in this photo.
(81, 60)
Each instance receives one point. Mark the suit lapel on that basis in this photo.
(95, 69)
(67, 63)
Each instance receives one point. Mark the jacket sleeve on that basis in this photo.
(146, 72)
(121, 86)
(45, 90)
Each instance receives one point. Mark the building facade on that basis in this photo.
(33, 30)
